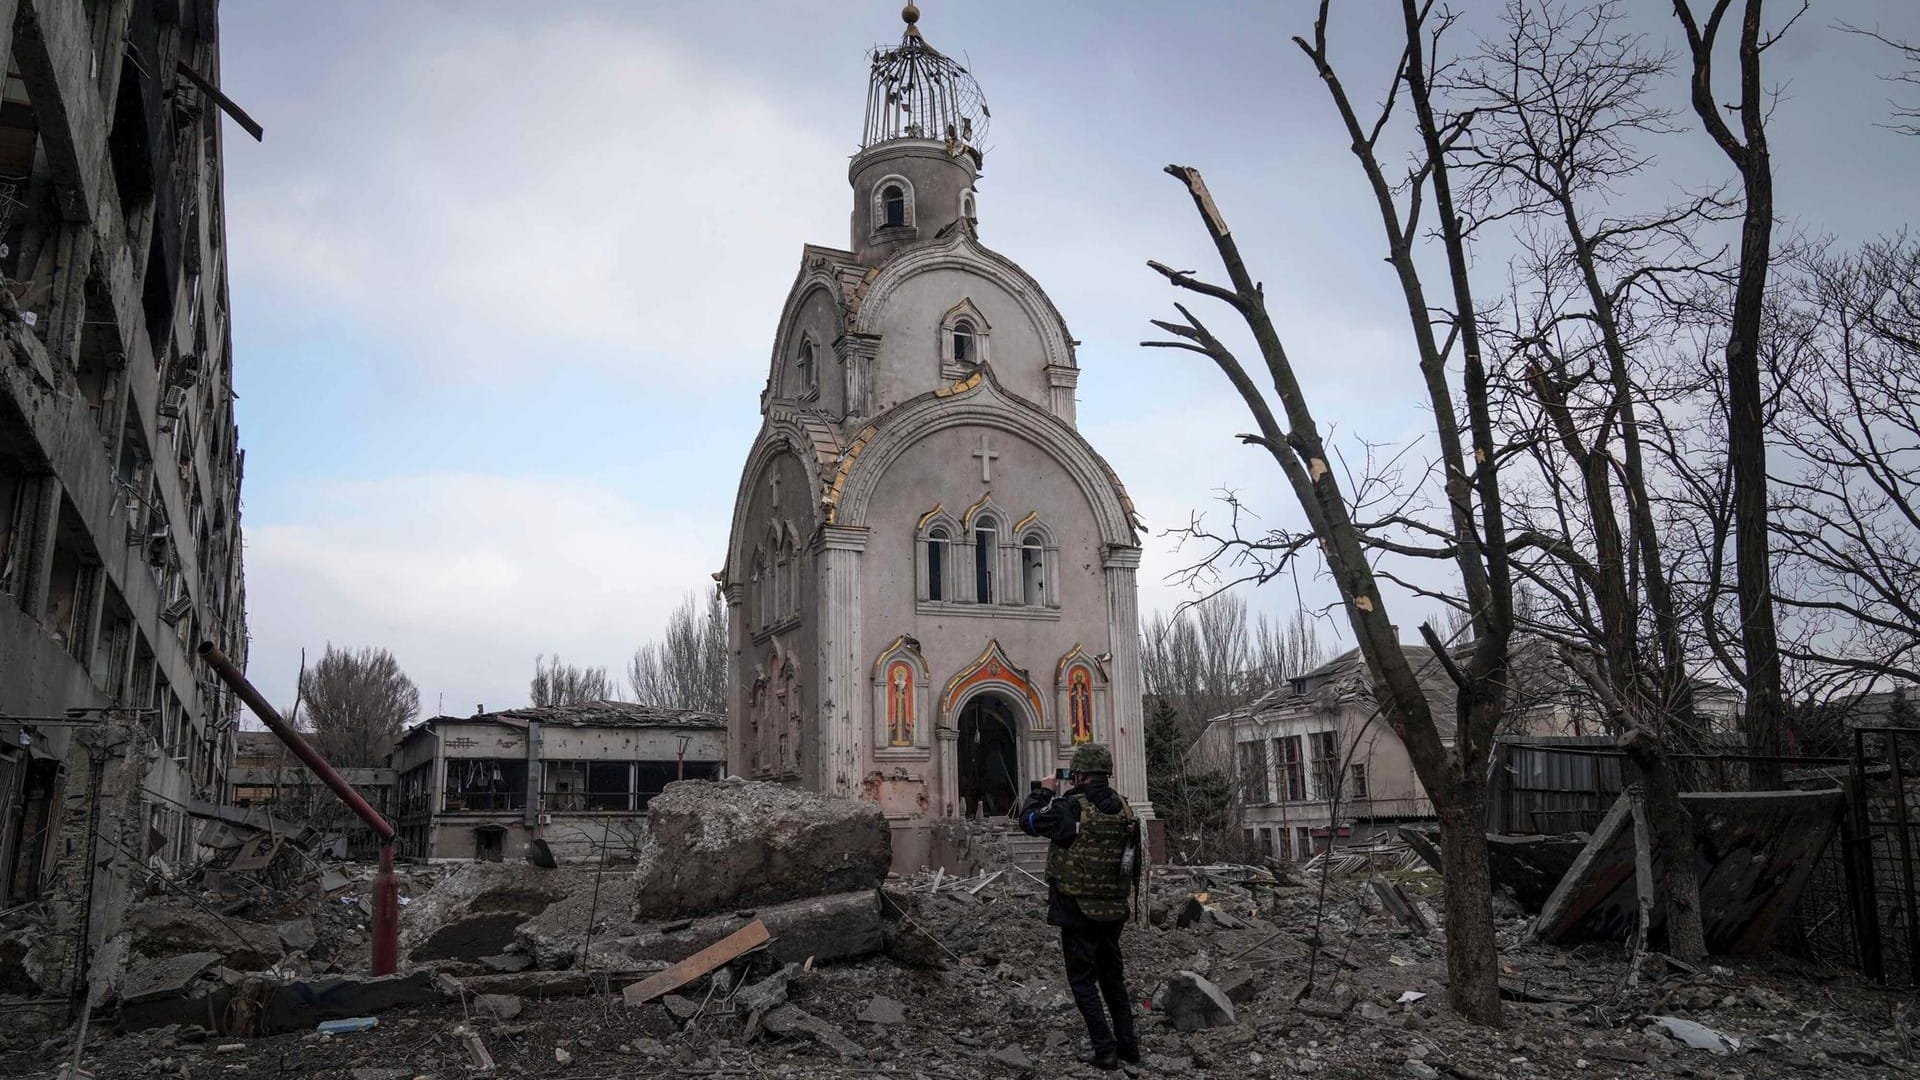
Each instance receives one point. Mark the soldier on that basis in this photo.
(1093, 866)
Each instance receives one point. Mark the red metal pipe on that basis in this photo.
(386, 904)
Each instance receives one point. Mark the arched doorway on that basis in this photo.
(989, 756)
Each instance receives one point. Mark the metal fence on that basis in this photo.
(1882, 852)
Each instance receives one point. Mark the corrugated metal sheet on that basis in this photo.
(1547, 785)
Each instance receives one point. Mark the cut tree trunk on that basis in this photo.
(1473, 960)
(1672, 830)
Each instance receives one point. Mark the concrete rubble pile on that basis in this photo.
(762, 935)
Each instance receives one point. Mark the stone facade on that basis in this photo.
(120, 467)
(930, 577)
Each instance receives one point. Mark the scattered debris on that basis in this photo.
(1698, 1036)
(749, 937)
(1192, 1003)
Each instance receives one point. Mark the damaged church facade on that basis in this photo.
(931, 573)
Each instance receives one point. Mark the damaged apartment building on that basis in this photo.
(574, 778)
(120, 464)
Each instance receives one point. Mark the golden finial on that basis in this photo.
(910, 15)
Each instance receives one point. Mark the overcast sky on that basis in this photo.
(505, 275)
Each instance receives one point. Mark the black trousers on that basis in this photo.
(1099, 984)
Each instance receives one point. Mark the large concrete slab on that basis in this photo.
(1753, 851)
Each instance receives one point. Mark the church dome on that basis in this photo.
(917, 92)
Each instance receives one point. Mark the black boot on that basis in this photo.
(1108, 1061)
(1129, 1052)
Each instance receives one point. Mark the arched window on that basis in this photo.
(986, 549)
(967, 206)
(783, 582)
(937, 541)
(964, 335)
(1033, 571)
(893, 205)
(809, 366)
(963, 352)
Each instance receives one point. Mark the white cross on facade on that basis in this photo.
(986, 454)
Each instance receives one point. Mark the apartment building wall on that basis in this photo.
(120, 466)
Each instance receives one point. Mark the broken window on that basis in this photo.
(1326, 763)
(609, 785)
(486, 784)
(1357, 781)
(1293, 777)
(1253, 773)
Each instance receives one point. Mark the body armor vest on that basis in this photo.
(1093, 869)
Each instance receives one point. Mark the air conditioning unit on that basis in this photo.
(183, 372)
(177, 610)
(546, 819)
(174, 403)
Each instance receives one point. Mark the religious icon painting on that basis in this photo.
(1080, 704)
(900, 703)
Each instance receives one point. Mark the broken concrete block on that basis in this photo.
(296, 1006)
(1011, 1054)
(508, 963)
(297, 935)
(791, 1020)
(162, 928)
(768, 993)
(151, 980)
(722, 846)
(1698, 1036)
(680, 1008)
(844, 926)
(498, 1006)
(471, 938)
(882, 1010)
(1240, 985)
(1192, 1003)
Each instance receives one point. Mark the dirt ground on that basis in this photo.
(981, 993)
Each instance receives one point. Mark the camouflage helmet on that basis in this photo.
(1092, 757)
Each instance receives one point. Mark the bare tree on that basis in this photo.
(1472, 532)
(1207, 659)
(1564, 102)
(687, 667)
(1906, 118)
(357, 702)
(1745, 416)
(555, 683)
(1848, 368)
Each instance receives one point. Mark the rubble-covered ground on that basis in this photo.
(970, 985)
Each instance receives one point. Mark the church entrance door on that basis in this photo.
(989, 765)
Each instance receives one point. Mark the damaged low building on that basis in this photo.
(1320, 739)
(577, 777)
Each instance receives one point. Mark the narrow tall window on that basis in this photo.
(937, 564)
(1033, 572)
(985, 549)
(963, 351)
(893, 205)
(809, 370)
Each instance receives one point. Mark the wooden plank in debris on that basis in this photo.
(1399, 904)
(739, 943)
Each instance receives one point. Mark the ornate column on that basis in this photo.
(947, 798)
(841, 733)
(739, 675)
(856, 353)
(1061, 381)
(1129, 744)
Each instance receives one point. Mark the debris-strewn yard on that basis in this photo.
(513, 970)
